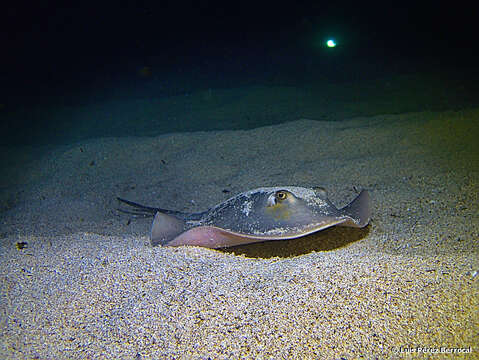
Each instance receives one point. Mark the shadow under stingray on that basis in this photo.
(326, 240)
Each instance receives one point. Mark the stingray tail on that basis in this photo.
(138, 210)
(359, 210)
(165, 228)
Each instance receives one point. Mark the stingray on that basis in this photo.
(264, 214)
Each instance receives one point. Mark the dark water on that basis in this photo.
(144, 70)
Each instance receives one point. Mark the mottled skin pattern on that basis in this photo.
(268, 211)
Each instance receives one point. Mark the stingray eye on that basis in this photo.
(281, 195)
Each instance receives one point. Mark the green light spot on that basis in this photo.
(331, 43)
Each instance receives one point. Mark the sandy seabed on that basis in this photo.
(79, 280)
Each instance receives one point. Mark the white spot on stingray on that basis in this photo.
(247, 207)
(194, 223)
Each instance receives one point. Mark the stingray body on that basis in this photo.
(269, 213)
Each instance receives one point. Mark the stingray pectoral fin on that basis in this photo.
(212, 237)
(165, 228)
(358, 211)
